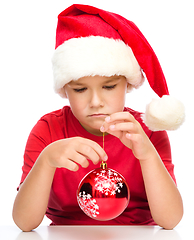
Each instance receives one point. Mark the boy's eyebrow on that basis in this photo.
(111, 79)
(75, 83)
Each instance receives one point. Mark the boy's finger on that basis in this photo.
(120, 116)
(80, 159)
(71, 165)
(124, 126)
(92, 151)
(116, 118)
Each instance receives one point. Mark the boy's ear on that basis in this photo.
(63, 92)
(129, 87)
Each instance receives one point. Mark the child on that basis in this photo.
(99, 57)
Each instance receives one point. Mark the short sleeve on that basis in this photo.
(162, 144)
(38, 139)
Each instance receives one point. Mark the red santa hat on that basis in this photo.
(91, 41)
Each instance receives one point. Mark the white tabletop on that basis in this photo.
(96, 233)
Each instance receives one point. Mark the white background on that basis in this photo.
(26, 89)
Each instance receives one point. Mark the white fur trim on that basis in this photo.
(94, 55)
(166, 113)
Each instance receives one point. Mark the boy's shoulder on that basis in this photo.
(138, 116)
(57, 113)
(50, 126)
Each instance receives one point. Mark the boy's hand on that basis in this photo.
(71, 152)
(125, 127)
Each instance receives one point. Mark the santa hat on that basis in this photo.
(91, 41)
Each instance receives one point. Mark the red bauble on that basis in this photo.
(103, 194)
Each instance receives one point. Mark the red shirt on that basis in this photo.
(63, 208)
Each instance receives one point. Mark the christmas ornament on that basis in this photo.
(103, 194)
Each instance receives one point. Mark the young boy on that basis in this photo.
(99, 57)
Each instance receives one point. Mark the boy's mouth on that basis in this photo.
(98, 115)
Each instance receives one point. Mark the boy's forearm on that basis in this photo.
(163, 196)
(32, 199)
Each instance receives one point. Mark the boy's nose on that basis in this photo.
(96, 100)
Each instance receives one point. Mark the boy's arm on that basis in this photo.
(32, 199)
(164, 199)
(163, 196)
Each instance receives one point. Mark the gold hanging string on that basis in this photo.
(103, 164)
(103, 139)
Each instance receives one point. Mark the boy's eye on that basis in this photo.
(110, 87)
(79, 90)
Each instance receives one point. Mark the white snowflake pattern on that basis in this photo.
(88, 204)
(108, 182)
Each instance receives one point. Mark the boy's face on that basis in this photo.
(92, 99)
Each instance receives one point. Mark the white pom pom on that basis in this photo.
(166, 113)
